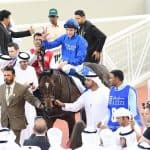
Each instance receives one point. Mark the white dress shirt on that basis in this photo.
(10, 92)
(95, 104)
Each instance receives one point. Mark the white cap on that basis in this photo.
(23, 56)
(54, 136)
(122, 112)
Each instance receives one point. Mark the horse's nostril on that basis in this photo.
(52, 98)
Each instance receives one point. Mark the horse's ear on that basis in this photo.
(48, 71)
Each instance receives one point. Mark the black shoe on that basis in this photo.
(80, 77)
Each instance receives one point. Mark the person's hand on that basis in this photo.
(44, 33)
(101, 126)
(62, 64)
(32, 31)
(96, 55)
(132, 123)
(59, 103)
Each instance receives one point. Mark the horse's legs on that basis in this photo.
(49, 122)
(70, 119)
(83, 115)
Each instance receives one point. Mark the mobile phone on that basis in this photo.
(31, 83)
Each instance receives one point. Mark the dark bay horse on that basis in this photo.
(54, 84)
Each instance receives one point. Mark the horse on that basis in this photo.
(55, 84)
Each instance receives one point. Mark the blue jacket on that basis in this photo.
(74, 49)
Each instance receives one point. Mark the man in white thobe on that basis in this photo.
(94, 100)
(129, 132)
(26, 75)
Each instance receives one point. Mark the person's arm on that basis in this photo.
(32, 99)
(20, 34)
(136, 128)
(133, 106)
(100, 38)
(132, 99)
(73, 107)
(2, 41)
(81, 52)
(53, 44)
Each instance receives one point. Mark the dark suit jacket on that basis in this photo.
(40, 141)
(13, 115)
(6, 37)
(94, 37)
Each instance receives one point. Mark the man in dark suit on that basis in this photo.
(6, 34)
(39, 137)
(93, 35)
(12, 100)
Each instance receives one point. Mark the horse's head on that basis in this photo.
(47, 87)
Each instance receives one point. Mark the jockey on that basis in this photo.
(74, 49)
(39, 59)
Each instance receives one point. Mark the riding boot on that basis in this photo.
(79, 76)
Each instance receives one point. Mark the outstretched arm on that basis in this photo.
(53, 44)
(73, 107)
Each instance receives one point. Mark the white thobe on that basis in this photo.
(9, 146)
(131, 139)
(95, 104)
(26, 77)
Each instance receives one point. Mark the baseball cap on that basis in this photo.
(53, 12)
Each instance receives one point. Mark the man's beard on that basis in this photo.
(9, 82)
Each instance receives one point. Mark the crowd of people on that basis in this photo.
(113, 120)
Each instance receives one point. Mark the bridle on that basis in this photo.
(52, 96)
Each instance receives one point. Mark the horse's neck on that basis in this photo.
(69, 91)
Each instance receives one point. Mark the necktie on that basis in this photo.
(12, 62)
(7, 94)
(8, 90)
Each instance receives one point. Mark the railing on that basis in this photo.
(129, 50)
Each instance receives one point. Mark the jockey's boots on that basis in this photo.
(80, 77)
(76, 74)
